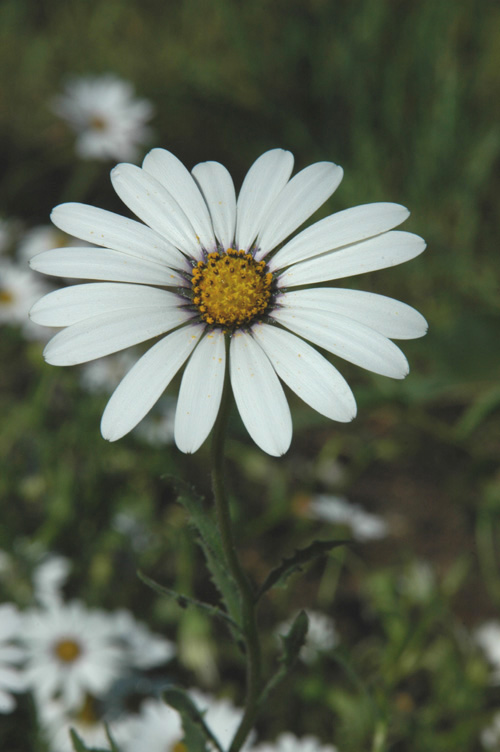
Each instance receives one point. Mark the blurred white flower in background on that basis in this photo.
(11, 678)
(490, 736)
(221, 717)
(72, 651)
(43, 238)
(339, 511)
(145, 649)
(19, 289)
(102, 375)
(110, 122)
(157, 428)
(487, 637)
(56, 721)
(322, 635)
(48, 579)
(289, 743)
(158, 728)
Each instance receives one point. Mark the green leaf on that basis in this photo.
(196, 730)
(294, 563)
(79, 744)
(295, 639)
(184, 601)
(111, 741)
(209, 540)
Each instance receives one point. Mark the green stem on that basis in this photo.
(247, 598)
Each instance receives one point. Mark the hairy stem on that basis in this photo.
(247, 599)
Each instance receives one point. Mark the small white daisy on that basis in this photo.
(490, 736)
(56, 721)
(289, 743)
(145, 649)
(321, 635)
(205, 268)
(42, 238)
(158, 728)
(12, 678)
(221, 717)
(110, 122)
(19, 289)
(48, 579)
(340, 511)
(487, 637)
(71, 651)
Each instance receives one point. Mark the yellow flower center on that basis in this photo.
(231, 288)
(67, 650)
(6, 297)
(98, 123)
(179, 747)
(87, 715)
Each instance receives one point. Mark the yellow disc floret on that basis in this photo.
(231, 288)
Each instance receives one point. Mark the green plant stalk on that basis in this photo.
(247, 598)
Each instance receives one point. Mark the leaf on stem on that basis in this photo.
(79, 744)
(184, 601)
(294, 563)
(295, 639)
(209, 540)
(196, 730)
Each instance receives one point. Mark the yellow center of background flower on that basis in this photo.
(6, 297)
(67, 650)
(231, 288)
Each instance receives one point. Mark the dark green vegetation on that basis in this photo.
(406, 97)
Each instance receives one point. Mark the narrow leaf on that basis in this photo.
(191, 717)
(79, 744)
(295, 639)
(209, 540)
(294, 563)
(184, 601)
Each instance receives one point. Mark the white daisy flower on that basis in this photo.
(487, 637)
(204, 271)
(145, 649)
(48, 580)
(56, 721)
(321, 635)
(19, 289)
(42, 238)
(158, 728)
(71, 651)
(339, 511)
(11, 678)
(490, 736)
(289, 743)
(109, 121)
(221, 717)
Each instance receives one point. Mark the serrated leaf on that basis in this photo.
(185, 601)
(193, 721)
(79, 744)
(294, 563)
(295, 639)
(210, 542)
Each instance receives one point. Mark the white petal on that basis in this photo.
(110, 230)
(78, 302)
(298, 200)
(307, 373)
(348, 339)
(388, 316)
(7, 702)
(104, 264)
(200, 392)
(259, 395)
(146, 381)
(263, 182)
(385, 250)
(152, 203)
(109, 333)
(343, 228)
(217, 187)
(171, 173)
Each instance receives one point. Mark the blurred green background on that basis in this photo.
(406, 97)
